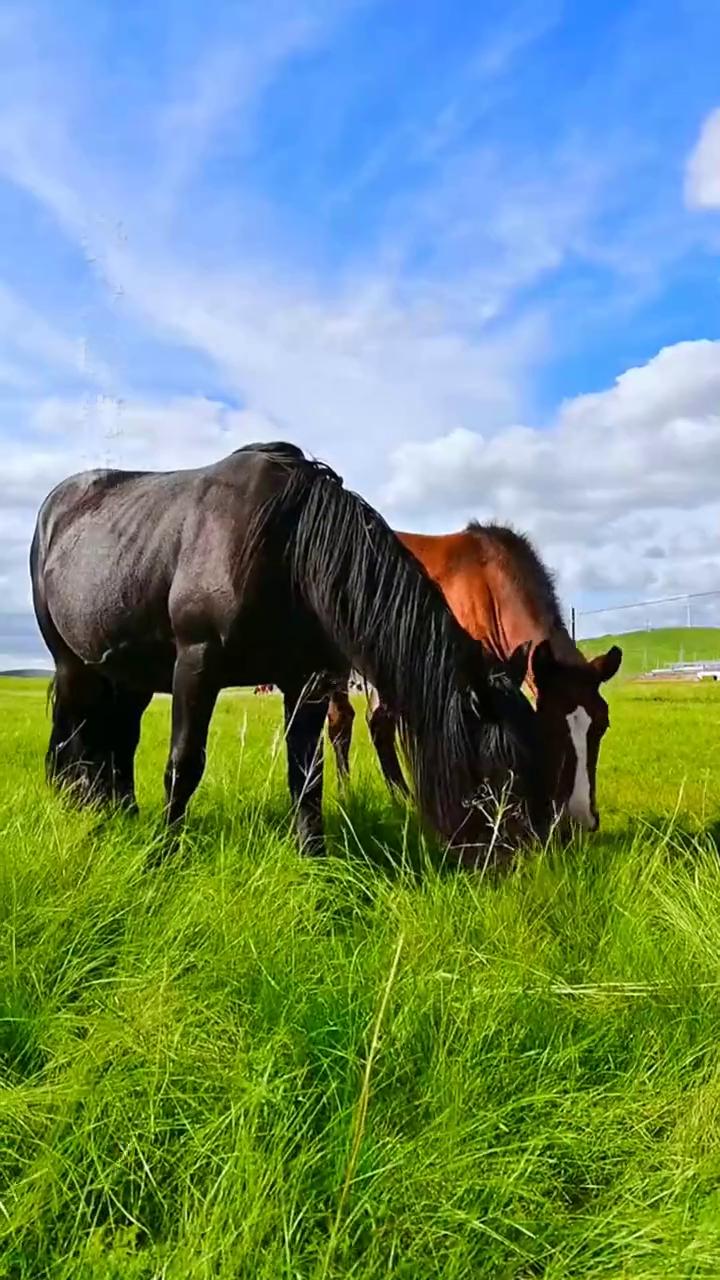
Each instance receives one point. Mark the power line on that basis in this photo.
(642, 604)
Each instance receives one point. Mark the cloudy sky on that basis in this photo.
(468, 253)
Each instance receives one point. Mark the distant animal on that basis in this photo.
(263, 568)
(501, 592)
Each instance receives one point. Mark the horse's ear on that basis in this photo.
(544, 663)
(517, 664)
(606, 665)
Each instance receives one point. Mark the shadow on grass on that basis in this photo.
(371, 829)
(381, 831)
(676, 833)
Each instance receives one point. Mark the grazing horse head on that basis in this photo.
(573, 716)
(512, 802)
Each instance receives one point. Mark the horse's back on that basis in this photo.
(88, 490)
(110, 504)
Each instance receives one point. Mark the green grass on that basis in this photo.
(644, 650)
(185, 1089)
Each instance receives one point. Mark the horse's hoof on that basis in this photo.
(165, 847)
(312, 845)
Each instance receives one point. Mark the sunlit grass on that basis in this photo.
(183, 1051)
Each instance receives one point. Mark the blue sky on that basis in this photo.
(467, 253)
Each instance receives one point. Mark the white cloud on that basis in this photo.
(346, 374)
(182, 431)
(702, 175)
(620, 491)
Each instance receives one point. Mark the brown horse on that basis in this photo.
(503, 595)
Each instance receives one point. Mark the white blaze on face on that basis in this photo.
(579, 806)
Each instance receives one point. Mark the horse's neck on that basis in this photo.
(486, 600)
(515, 619)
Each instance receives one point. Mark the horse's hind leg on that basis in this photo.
(128, 712)
(195, 690)
(63, 758)
(341, 715)
(304, 722)
(381, 724)
(79, 753)
(71, 760)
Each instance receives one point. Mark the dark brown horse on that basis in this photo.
(263, 568)
(502, 594)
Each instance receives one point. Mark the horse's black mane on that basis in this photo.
(531, 577)
(459, 716)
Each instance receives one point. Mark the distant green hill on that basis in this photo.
(643, 650)
(27, 673)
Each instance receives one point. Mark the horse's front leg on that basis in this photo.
(194, 693)
(341, 715)
(381, 724)
(304, 721)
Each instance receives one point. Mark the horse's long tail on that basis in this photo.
(40, 606)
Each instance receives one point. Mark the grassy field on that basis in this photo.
(643, 650)
(246, 1065)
